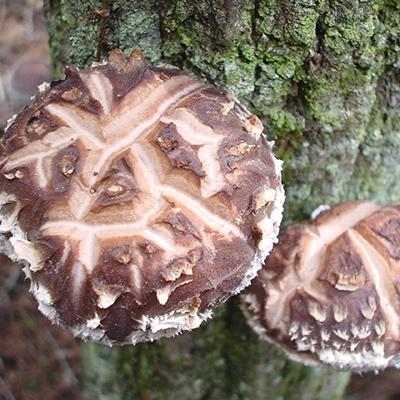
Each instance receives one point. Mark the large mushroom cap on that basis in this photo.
(138, 198)
(329, 293)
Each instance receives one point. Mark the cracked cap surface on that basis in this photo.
(138, 199)
(329, 291)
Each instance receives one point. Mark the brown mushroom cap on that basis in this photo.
(138, 198)
(329, 293)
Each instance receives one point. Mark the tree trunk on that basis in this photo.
(324, 76)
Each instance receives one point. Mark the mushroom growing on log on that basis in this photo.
(329, 293)
(137, 198)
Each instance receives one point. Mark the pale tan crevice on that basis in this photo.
(89, 250)
(40, 154)
(196, 208)
(82, 123)
(136, 277)
(82, 231)
(145, 172)
(100, 88)
(41, 149)
(78, 275)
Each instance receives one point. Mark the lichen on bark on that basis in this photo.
(76, 34)
(324, 76)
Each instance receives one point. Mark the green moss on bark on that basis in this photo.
(76, 36)
(324, 76)
(74, 31)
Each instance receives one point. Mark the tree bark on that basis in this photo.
(324, 76)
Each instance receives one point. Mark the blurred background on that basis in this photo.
(38, 360)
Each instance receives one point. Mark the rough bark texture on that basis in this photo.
(324, 76)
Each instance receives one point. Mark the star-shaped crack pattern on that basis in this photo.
(136, 170)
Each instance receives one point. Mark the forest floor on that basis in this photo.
(38, 360)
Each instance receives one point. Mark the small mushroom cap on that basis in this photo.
(329, 292)
(138, 198)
